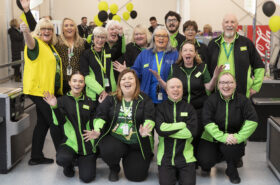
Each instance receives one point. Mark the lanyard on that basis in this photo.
(126, 109)
(99, 60)
(159, 64)
(227, 53)
(70, 54)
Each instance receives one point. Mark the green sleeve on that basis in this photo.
(182, 134)
(33, 54)
(151, 122)
(93, 84)
(258, 80)
(98, 124)
(123, 44)
(172, 126)
(206, 75)
(214, 131)
(246, 131)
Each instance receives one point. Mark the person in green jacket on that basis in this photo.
(176, 125)
(229, 119)
(75, 112)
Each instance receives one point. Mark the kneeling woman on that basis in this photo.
(125, 121)
(229, 119)
(75, 111)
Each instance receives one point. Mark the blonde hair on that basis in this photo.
(44, 23)
(196, 58)
(142, 29)
(78, 41)
(207, 26)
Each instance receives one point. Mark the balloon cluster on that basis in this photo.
(102, 15)
(269, 8)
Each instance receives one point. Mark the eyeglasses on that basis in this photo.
(171, 20)
(229, 83)
(46, 29)
(161, 36)
(100, 37)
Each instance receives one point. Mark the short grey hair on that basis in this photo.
(99, 31)
(153, 45)
(112, 23)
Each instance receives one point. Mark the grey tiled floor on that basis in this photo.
(254, 172)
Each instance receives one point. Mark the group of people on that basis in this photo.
(105, 99)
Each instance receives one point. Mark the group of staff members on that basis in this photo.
(163, 88)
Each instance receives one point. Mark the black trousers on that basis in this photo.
(44, 122)
(113, 150)
(210, 153)
(87, 164)
(200, 129)
(168, 174)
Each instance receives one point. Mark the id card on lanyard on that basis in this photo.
(126, 111)
(158, 88)
(102, 66)
(227, 64)
(69, 67)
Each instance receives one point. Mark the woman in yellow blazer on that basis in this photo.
(42, 73)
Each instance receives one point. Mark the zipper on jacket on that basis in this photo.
(226, 121)
(189, 82)
(79, 124)
(134, 122)
(175, 140)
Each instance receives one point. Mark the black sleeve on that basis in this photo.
(59, 111)
(208, 110)
(248, 111)
(160, 120)
(84, 63)
(255, 58)
(204, 53)
(30, 20)
(192, 121)
(149, 109)
(92, 112)
(103, 108)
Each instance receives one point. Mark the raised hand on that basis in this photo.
(218, 70)
(102, 96)
(155, 74)
(145, 130)
(50, 99)
(24, 28)
(90, 134)
(25, 5)
(118, 66)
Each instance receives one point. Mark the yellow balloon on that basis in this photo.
(114, 8)
(97, 21)
(103, 5)
(126, 15)
(274, 23)
(117, 18)
(129, 7)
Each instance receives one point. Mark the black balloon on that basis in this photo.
(111, 16)
(269, 8)
(103, 16)
(133, 14)
(19, 5)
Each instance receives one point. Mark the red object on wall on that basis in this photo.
(262, 37)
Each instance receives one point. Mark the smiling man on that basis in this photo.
(176, 125)
(172, 23)
(239, 56)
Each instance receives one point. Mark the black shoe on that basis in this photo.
(233, 175)
(239, 164)
(40, 161)
(113, 176)
(69, 171)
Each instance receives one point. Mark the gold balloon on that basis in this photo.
(114, 8)
(97, 21)
(274, 23)
(129, 7)
(126, 15)
(103, 5)
(117, 18)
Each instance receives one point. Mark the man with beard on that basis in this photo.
(239, 56)
(172, 22)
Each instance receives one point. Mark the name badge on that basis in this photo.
(146, 65)
(243, 48)
(227, 66)
(198, 74)
(106, 82)
(86, 107)
(184, 114)
(160, 96)
(108, 56)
